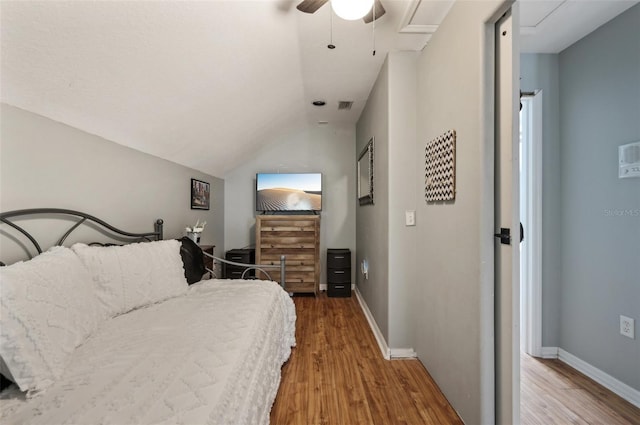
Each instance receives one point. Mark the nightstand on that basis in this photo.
(245, 256)
(208, 261)
(338, 272)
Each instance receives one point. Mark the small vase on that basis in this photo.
(194, 236)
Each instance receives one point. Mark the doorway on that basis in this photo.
(531, 218)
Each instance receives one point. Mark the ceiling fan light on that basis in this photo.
(351, 9)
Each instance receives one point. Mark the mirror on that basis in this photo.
(365, 174)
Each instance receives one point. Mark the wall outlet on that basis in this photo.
(627, 325)
(364, 268)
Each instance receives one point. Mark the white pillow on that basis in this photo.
(48, 308)
(131, 276)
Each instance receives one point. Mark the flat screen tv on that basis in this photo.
(289, 192)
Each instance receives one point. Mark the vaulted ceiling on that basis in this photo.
(204, 83)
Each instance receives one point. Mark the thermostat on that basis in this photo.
(629, 160)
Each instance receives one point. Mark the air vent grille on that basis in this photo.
(345, 105)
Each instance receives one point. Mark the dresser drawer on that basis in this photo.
(338, 258)
(339, 275)
(241, 255)
(274, 253)
(290, 259)
(303, 268)
(304, 287)
(291, 276)
(238, 258)
(293, 225)
(231, 272)
(289, 243)
(299, 277)
(235, 272)
(339, 290)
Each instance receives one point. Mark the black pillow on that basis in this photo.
(4, 382)
(192, 260)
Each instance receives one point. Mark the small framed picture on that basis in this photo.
(200, 195)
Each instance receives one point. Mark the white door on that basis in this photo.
(507, 221)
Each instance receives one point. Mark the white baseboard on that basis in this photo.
(402, 353)
(549, 353)
(384, 348)
(623, 390)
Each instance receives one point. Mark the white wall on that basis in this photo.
(48, 164)
(325, 149)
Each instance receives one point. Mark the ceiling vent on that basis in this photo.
(345, 105)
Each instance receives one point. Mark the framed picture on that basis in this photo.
(200, 195)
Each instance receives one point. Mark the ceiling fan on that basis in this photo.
(310, 6)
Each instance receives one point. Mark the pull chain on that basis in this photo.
(374, 27)
(331, 45)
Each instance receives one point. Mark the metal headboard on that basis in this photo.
(6, 216)
(149, 236)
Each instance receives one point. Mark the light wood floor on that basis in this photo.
(552, 392)
(336, 374)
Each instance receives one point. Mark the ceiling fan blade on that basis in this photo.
(379, 12)
(310, 6)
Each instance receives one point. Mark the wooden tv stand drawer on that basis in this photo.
(298, 238)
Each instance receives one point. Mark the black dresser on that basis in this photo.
(338, 272)
(247, 256)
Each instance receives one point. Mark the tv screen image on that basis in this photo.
(289, 192)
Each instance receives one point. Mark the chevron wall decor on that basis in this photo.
(440, 168)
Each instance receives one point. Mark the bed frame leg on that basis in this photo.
(282, 271)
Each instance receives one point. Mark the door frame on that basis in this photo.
(531, 212)
(507, 216)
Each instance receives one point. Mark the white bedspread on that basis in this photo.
(212, 356)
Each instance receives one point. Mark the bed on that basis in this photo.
(165, 352)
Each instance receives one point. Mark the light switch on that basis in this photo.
(410, 218)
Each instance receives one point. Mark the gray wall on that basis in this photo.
(541, 72)
(325, 149)
(372, 221)
(48, 164)
(600, 110)
(453, 293)
(430, 287)
(390, 117)
(404, 182)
